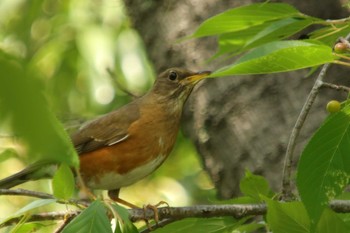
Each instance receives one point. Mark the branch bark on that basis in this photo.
(41, 195)
(171, 214)
(289, 158)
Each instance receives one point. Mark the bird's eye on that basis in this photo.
(172, 75)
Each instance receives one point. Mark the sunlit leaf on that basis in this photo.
(258, 35)
(63, 182)
(92, 220)
(233, 42)
(279, 56)
(288, 217)
(324, 166)
(244, 17)
(329, 35)
(28, 227)
(34, 205)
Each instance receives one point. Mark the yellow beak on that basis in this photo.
(196, 77)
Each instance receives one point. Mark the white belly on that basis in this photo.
(111, 181)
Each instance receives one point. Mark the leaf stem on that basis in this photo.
(341, 63)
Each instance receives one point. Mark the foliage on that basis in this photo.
(92, 219)
(54, 59)
(261, 35)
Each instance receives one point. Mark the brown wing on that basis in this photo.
(106, 130)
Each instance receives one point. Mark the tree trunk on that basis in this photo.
(236, 123)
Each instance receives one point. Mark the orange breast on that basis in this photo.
(150, 141)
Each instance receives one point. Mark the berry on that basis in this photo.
(340, 47)
(333, 106)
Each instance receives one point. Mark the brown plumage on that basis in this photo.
(123, 146)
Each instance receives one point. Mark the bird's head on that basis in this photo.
(176, 84)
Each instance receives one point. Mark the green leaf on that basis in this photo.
(33, 205)
(249, 227)
(279, 56)
(196, 225)
(93, 219)
(345, 217)
(328, 35)
(26, 211)
(324, 166)
(254, 36)
(331, 223)
(63, 182)
(126, 226)
(23, 105)
(288, 217)
(244, 17)
(234, 42)
(254, 186)
(28, 227)
(8, 153)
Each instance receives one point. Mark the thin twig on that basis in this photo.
(338, 21)
(48, 216)
(289, 158)
(119, 85)
(336, 87)
(41, 195)
(344, 41)
(341, 55)
(25, 192)
(66, 221)
(341, 63)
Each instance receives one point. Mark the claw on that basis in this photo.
(154, 208)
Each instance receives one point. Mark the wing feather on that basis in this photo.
(106, 130)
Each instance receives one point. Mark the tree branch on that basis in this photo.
(289, 158)
(41, 195)
(171, 214)
(199, 211)
(25, 192)
(336, 87)
(49, 216)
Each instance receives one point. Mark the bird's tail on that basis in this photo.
(36, 171)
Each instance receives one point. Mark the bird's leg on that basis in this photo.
(114, 195)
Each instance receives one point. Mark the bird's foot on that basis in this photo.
(154, 208)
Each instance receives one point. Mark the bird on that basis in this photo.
(124, 146)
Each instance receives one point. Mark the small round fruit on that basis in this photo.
(333, 106)
(340, 47)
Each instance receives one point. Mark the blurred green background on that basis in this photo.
(63, 50)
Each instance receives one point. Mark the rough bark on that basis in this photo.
(235, 122)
